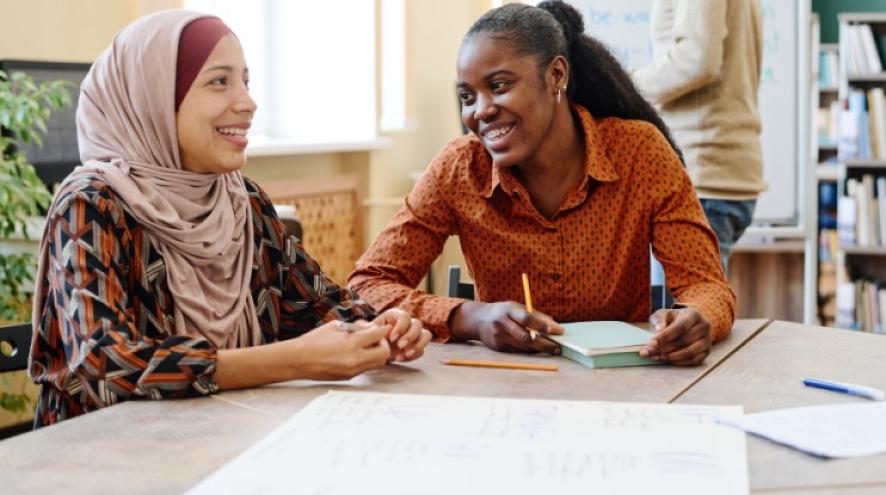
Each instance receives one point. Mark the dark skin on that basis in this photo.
(511, 105)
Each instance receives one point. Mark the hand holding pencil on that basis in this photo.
(504, 326)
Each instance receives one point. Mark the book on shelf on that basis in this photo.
(827, 275)
(847, 220)
(828, 69)
(860, 50)
(860, 213)
(877, 116)
(826, 125)
(881, 207)
(861, 305)
(854, 139)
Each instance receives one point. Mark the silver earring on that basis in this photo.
(558, 96)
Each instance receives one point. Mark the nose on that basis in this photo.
(484, 108)
(244, 101)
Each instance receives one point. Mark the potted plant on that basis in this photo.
(25, 107)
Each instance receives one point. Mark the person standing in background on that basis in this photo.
(704, 79)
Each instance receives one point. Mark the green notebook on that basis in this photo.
(604, 344)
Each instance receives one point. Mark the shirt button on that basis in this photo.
(555, 276)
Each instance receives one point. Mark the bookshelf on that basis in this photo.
(857, 249)
(826, 79)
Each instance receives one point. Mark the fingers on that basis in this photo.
(405, 345)
(398, 320)
(520, 340)
(685, 339)
(518, 333)
(536, 320)
(544, 344)
(692, 355)
(417, 350)
(660, 319)
(678, 322)
(368, 336)
(377, 355)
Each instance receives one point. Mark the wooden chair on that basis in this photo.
(330, 212)
(661, 296)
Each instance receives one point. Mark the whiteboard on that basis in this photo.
(624, 26)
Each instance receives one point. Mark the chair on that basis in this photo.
(661, 296)
(330, 214)
(15, 342)
(457, 288)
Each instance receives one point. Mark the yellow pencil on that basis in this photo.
(532, 333)
(501, 365)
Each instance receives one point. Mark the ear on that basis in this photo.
(557, 73)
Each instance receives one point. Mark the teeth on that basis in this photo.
(232, 131)
(497, 133)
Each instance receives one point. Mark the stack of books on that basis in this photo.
(860, 51)
(861, 214)
(861, 305)
(862, 125)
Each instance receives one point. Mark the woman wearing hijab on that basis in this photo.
(163, 271)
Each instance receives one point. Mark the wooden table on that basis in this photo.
(168, 446)
(766, 374)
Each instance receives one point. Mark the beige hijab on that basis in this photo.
(201, 224)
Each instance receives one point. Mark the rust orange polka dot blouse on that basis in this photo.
(590, 261)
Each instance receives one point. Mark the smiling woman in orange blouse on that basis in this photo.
(164, 272)
(568, 175)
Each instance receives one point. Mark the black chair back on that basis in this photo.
(661, 296)
(15, 343)
(457, 288)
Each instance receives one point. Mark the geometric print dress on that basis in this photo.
(105, 332)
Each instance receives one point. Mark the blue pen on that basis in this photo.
(846, 388)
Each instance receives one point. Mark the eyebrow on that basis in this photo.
(491, 75)
(226, 68)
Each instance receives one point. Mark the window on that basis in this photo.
(312, 67)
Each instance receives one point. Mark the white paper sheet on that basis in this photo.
(347, 443)
(844, 430)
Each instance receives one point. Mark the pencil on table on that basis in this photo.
(500, 365)
(532, 333)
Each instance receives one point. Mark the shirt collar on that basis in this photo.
(597, 164)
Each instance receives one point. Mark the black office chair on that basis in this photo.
(457, 288)
(15, 342)
(661, 296)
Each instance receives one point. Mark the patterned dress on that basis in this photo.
(106, 326)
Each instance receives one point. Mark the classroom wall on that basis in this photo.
(434, 35)
(80, 30)
(62, 30)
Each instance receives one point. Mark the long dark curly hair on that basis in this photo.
(596, 79)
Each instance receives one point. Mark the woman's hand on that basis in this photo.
(504, 326)
(340, 350)
(682, 337)
(407, 336)
(334, 351)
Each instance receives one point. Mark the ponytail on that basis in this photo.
(596, 79)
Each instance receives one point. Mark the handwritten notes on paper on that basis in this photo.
(843, 430)
(345, 443)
